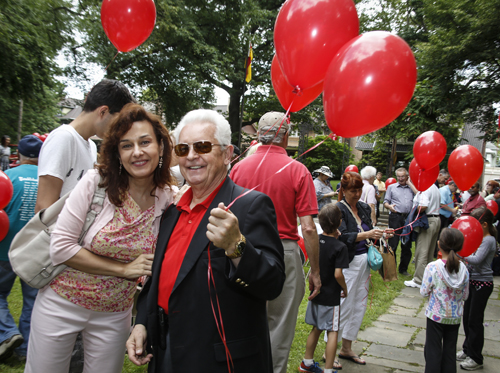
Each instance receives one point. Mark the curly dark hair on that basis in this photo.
(117, 184)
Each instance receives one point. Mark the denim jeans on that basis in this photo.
(8, 326)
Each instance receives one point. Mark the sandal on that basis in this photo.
(336, 365)
(354, 358)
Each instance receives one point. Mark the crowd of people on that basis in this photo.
(216, 254)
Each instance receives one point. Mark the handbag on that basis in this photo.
(388, 271)
(29, 253)
(374, 258)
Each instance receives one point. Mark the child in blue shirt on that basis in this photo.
(323, 311)
(446, 283)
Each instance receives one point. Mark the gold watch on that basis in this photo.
(239, 248)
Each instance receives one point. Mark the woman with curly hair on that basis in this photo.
(94, 295)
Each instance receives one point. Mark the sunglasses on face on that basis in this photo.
(200, 147)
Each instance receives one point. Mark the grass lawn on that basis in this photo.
(380, 299)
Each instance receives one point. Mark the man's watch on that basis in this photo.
(239, 248)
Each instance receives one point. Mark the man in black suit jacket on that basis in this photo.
(204, 308)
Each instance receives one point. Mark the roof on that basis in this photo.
(70, 102)
(470, 136)
(73, 113)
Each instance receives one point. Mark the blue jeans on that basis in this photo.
(8, 326)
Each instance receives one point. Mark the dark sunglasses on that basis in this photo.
(200, 147)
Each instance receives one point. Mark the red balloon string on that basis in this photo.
(218, 318)
(331, 135)
(111, 61)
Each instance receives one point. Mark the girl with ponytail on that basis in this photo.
(481, 287)
(446, 283)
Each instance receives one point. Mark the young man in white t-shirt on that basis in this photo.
(68, 152)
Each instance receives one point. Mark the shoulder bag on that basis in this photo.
(29, 252)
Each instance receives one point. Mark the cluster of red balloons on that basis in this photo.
(128, 23)
(367, 80)
(6, 192)
(429, 150)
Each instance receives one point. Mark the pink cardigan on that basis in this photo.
(64, 240)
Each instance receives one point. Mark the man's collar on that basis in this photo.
(271, 149)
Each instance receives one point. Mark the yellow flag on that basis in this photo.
(248, 65)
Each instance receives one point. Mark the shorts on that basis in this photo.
(323, 317)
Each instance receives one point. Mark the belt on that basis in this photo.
(433, 216)
(405, 214)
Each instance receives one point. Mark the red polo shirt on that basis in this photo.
(179, 242)
(291, 190)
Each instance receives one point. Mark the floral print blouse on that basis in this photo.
(127, 235)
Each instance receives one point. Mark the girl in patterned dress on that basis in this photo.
(446, 283)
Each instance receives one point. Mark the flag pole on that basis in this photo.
(247, 66)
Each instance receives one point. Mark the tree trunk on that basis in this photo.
(393, 154)
(20, 124)
(234, 110)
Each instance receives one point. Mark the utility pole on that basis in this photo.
(20, 124)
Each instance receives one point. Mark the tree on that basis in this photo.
(195, 45)
(31, 34)
(327, 154)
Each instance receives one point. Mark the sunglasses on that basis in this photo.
(200, 147)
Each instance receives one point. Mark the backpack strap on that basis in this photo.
(97, 201)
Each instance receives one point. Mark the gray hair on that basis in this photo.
(272, 136)
(222, 127)
(23, 158)
(402, 169)
(368, 172)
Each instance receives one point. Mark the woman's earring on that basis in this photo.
(160, 163)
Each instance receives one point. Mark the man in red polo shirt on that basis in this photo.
(291, 188)
(204, 307)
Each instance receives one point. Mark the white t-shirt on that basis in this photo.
(368, 194)
(66, 155)
(430, 198)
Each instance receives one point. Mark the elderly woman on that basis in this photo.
(324, 191)
(356, 228)
(95, 293)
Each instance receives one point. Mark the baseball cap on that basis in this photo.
(273, 120)
(30, 146)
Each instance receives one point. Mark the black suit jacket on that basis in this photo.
(242, 292)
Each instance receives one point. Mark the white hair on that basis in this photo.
(272, 136)
(368, 172)
(222, 127)
(23, 158)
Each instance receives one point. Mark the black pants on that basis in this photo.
(473, 320)
(398, 221)
(440, 347)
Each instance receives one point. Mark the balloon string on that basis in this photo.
(220, 328)
(331, 136)
(111, 61)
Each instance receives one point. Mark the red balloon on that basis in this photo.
(308, 35)
(465, 166)
(473, 234)
(4, 224)
(423, 179)
(254, 142)
(128, 23)
(390, 181)
(302, 246)
(429, 149)
(6, 190)
(285, 91)
(43, 137)
(36, 134)
(351, 168)
(493, 206)
(368, 84)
